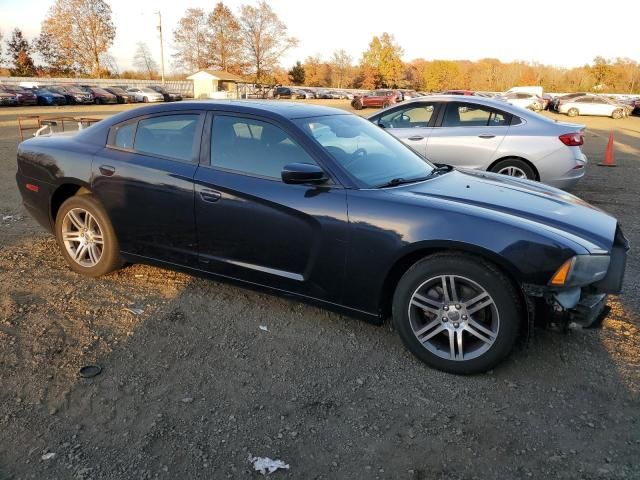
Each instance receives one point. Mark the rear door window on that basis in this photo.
(460, 114)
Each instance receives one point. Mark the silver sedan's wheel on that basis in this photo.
(453, 317)
(513, 171)
(82, 237)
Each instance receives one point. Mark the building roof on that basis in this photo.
(216, 75)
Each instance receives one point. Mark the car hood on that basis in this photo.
(550, 208)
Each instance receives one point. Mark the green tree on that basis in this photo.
(297, 74)
(385, 56)
(19, 55)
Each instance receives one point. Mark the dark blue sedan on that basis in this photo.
(322, 205)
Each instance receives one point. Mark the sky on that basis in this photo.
(561, 33)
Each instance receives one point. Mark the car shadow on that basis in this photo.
(209, 373)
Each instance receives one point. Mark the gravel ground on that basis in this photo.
(192, 385)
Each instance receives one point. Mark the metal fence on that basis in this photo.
(184, 87)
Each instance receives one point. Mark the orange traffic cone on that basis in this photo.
(609, 161)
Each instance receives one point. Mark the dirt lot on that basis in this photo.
(192, 386)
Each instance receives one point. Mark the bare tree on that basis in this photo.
(189, 40)
(144, 61)
(83, 31)
(264, 38)
(55, 62)
(109, 64)
(224, 43)
(341, 63)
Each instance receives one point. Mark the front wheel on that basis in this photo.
(573, 112)
(86, 237)
(145, 99)
(457, 313)
(617, 114)
(357, 105)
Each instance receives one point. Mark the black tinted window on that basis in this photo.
(123, 137)
(253, 147)
(169, 136)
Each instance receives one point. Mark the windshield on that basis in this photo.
(371, 155)
(148, 90)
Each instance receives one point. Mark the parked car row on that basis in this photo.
(79, 94)
(583, 103)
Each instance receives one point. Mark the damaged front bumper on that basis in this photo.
(586, 305)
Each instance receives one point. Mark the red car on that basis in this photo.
(377, 99)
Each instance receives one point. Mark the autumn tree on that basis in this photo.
(440, 75)
(223, 39)
(264, 38)
(297, 74)
(83, 31)
(190, 41)
(340, 65)
(385, 56)
(18, 49)
(317, 73)
(143, 60)
(54, 61)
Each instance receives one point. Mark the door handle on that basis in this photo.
(210, 196)
(416, 138)
(107, 170)
(486, 136)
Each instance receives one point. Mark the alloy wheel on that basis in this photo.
(82, 237)
(513, 172)
(454, 317)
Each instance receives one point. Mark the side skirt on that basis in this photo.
(334, 307)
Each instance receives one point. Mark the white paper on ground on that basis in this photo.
(266, 466)
(263, 327)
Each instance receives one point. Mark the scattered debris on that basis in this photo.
(6, 218)
(48, 456)
(135, 311)
(264, 328)
(90, 371)
(266, 466)
(187, 400)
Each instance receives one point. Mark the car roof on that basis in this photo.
(288, 110)
(486, 101)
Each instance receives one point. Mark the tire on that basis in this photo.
(277, 97)
(385, 105)
(616, 114)
(497, 323)
(145, 99)
(108, 256)
(573, 112)
(357, 105)
(514, 167)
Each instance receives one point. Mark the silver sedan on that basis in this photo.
(486, 134)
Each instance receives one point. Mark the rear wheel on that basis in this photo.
(573, 112)
(514, 167)
(457, 313)
(86, 236)
(617, 114)
(145, 99)
(385, 104)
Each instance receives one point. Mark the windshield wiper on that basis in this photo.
(403, 181)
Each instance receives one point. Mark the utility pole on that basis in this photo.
(161, 45)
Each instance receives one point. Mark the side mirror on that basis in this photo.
(298, 173)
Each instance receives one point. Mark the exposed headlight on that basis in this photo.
(581, 270)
